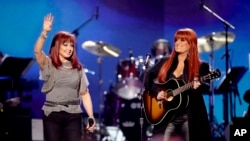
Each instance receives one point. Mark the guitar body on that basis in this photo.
(159, 113)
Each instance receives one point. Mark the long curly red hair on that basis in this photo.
(193, 57)
(59, 39)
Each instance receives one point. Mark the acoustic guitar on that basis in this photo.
(163, 111)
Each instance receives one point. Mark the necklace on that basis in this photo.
(67, 65)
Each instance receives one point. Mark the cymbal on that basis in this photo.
(101, 49)
(214, 41)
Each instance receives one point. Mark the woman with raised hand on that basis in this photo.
(65, 86)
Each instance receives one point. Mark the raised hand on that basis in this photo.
(47, 22)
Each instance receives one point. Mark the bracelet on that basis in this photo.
(43, 36)
(91, 117)
(91, 121)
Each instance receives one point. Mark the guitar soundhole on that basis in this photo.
(170, 98)
(169, 95)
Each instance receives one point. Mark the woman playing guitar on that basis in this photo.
(185, 112)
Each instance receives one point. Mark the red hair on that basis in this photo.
(193, 57)
(60, 38)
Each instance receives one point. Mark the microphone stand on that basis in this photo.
(101, 106)
(141, 96)
(76, 31)
(227, 26)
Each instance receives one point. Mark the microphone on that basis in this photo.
(148, 56)
(97, 12)
(90, 121)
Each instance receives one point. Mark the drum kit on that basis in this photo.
(123, 97)
(128, 84)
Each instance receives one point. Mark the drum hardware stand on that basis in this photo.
(234, 90)
(102, 127)
(211, 96)
(101, 106)
(227, 25)
(229, 84)
(141, 120)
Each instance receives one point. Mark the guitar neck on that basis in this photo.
(210, 76)
(187, 86)
(183, 88)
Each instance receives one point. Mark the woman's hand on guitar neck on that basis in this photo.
(196, 83)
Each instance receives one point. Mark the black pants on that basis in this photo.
(177, 130)
(62, 126)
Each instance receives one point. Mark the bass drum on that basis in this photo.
(129, 120)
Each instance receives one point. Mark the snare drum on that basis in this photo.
(128, 82)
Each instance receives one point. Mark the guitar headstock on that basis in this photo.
(214, 74)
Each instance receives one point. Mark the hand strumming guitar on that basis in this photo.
(161, 95)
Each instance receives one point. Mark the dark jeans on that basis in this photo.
(175, 130)
(178, 128)
(62, 126)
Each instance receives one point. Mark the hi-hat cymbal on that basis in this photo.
(101, 49)
(214, 41)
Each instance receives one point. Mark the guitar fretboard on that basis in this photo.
(182, 88)
(189, 85)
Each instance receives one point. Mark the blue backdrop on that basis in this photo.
(126, 24)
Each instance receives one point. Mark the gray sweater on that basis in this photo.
(62, 88)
